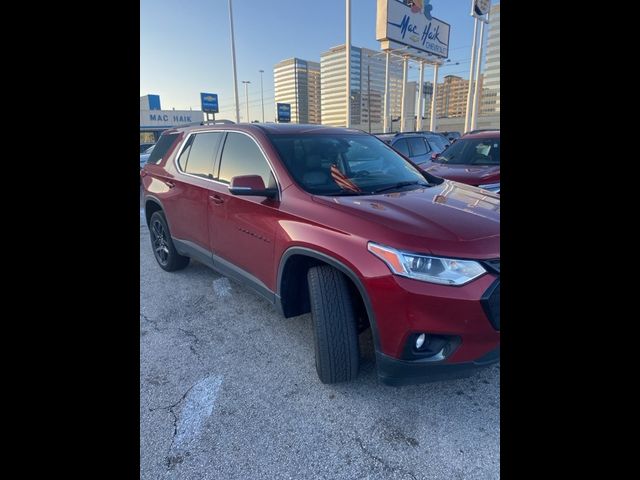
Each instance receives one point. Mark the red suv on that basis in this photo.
(474, 159)
(334, 222)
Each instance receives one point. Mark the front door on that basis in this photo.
(242, 228)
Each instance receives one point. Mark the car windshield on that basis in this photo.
(472, 151)
(346, 164)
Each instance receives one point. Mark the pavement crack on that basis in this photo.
(385, 465)
(196, 340)
(154, 323)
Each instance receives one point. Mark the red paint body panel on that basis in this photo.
(253, 233)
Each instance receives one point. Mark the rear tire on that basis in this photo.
(334, 325)
(162, 244)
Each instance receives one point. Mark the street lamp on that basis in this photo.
(262, 93)
(246, 97)
(233, 61)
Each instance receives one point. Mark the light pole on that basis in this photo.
(405, 64)
(233, 61)
(467, 115)
(476, 92)
(262, 94)
(246, 97)
(432, 120)
(347, 48)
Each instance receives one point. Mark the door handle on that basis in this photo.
(217, 199)
(169, 184)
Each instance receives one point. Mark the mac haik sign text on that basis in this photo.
(411, 23)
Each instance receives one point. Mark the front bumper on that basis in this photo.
(392, 371)
(469, 315)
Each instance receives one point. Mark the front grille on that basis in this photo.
(491, 304)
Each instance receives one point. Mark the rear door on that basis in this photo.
(186, 204)
(242, 228)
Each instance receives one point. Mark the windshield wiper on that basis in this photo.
(400, 185)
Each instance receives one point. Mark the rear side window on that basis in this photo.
(241, 156)
(402, 147)
(418, 146)
(162, 147)
(202, 151)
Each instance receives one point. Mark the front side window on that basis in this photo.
(242, 156)
(346, 164)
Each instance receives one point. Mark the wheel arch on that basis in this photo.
(290, 283)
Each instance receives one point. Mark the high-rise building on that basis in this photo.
(297, 82)
(367, 88)
(491, 93)
(451, 97)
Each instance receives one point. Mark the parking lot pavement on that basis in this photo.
(228, 390)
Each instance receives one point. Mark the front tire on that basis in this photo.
(334, 325)
(162, 244)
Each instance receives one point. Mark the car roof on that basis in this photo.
(273, 128)
(483, 134)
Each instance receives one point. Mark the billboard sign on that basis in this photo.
(284, 112)
(209, 102)
(411, 24)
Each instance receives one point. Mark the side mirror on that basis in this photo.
(251, 185)
(434, 156)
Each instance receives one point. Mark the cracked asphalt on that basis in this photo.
(228, 390)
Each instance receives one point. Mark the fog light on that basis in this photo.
(420, 340)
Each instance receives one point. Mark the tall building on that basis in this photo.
(451, 97)
(367, 88)
(491, 94)
(297, 82)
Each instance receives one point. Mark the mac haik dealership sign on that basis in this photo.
(411, 23)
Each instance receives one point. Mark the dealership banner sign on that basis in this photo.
(412, 24)
(169, 118)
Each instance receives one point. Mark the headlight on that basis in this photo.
(492, 187)
(446, 271)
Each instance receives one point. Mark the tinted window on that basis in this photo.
(162, 147)
(437, 143)
(202, 152)
(418, 146)
(402, 147)
(241, 156)
(346, 164)
(476, 151)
